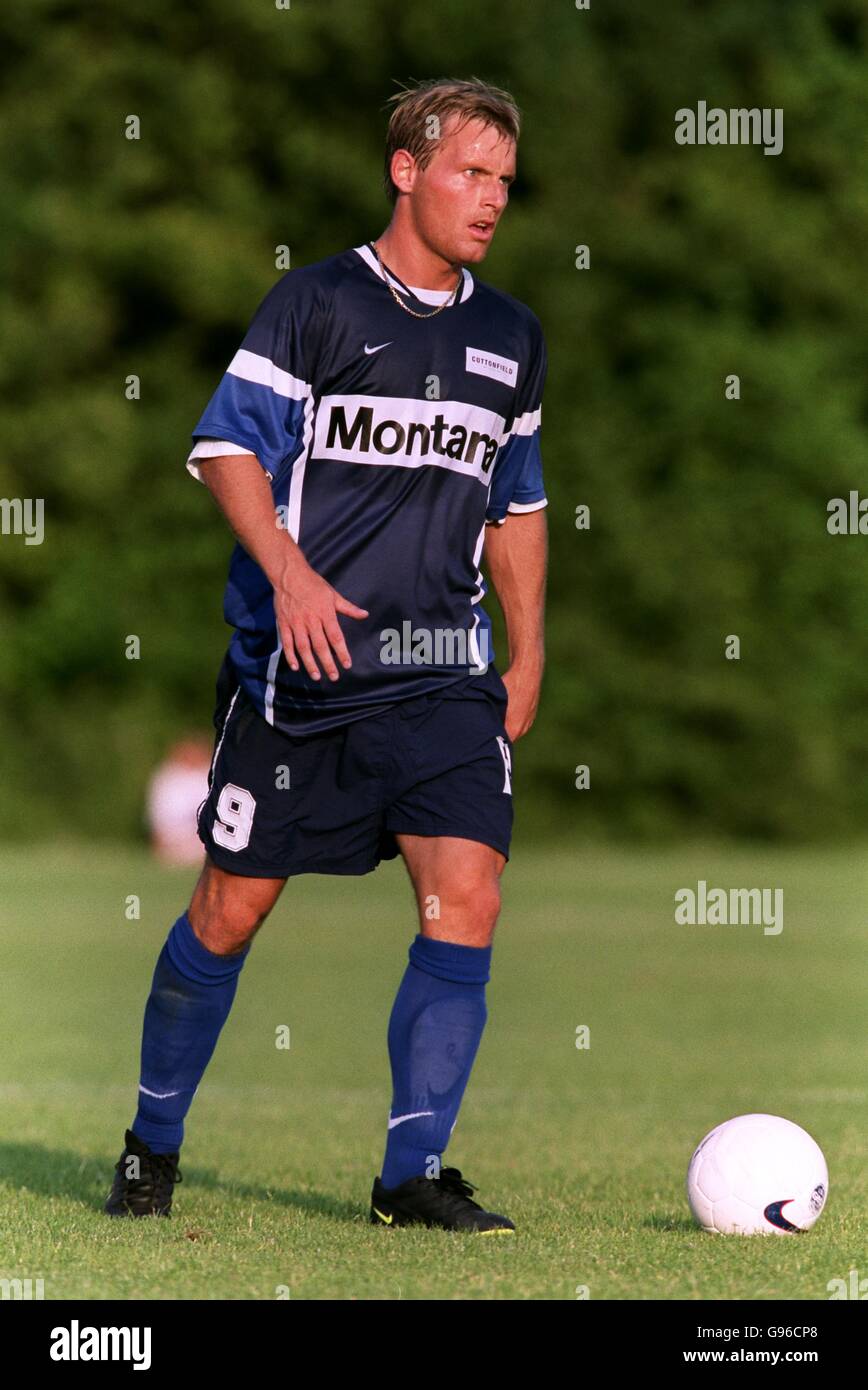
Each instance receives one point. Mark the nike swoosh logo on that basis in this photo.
(775, 1216)
(387, 1219)
(378, 348)
(416, 1115)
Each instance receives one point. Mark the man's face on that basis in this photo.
(457, 200)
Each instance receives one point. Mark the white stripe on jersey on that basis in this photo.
(249, 366)
(271, 676)
(477, 556)
(480, 662)
(527, 423)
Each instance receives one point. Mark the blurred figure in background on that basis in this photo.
(175, 793)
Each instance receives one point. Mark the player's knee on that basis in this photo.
(478, 903)
(491, 903)
(227, 910)
(225, 935)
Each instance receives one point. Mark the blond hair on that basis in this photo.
(419, 111)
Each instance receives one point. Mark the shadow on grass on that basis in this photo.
(65, 1173)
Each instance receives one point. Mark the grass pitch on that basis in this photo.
(586, 1149)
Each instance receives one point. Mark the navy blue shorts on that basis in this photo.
(332, 802)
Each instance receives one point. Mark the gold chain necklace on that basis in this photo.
(398, 300)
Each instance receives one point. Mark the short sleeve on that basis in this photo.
(265, 395)
(517, 484)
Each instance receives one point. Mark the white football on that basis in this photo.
(757, 1175)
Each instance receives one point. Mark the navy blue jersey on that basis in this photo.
(390, 441)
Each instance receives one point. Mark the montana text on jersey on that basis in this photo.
(389, 441)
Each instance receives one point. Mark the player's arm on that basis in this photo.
(516, 540)
(516, 555)
(305, 604)
(258, 413)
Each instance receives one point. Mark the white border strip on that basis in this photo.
(527, 506)
(223, 734)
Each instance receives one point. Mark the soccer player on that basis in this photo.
(377, 428)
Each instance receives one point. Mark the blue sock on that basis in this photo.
(434, 1033)
(190, 999)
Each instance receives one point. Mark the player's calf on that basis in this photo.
(193, 987)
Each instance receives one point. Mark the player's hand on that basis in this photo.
(306, 608)
(522, 681)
